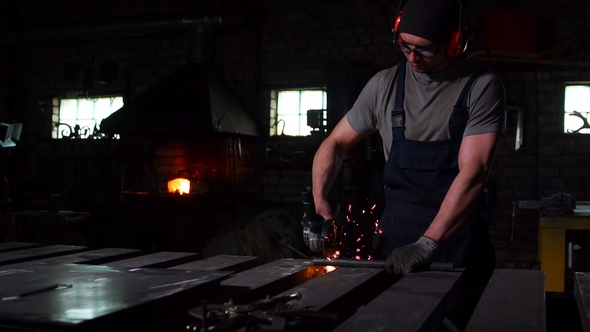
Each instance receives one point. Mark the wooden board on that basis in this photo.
(417, 302)
(513, 301)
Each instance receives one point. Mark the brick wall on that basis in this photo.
(274, 44)
(284, 184)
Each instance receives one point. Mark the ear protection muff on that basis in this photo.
(395, 26)
(457, 43)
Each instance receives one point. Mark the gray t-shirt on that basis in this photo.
(428, 103)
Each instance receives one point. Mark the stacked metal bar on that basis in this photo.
(74, 288)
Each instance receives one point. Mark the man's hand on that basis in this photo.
(324, 209)
(406, 259)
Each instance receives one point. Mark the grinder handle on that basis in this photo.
(309, 207)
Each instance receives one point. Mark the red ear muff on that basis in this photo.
(454, 48)
(457, 42)
(395, 27)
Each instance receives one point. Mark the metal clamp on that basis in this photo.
(270, 314)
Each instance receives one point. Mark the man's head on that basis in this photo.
(429, 33)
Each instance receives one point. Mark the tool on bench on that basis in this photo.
(270, 314)
(319, 234)
(346, 262)
(560, 203)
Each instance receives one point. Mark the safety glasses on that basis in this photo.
(423, 52)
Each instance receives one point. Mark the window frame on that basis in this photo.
(564, 130)
(67, 130)
(277, 124)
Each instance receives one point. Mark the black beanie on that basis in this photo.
(434, 20)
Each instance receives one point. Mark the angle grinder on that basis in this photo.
(319, 234)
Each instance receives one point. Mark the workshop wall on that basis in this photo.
(266, 45)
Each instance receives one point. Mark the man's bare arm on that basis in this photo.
(327, 163)
(475, 159)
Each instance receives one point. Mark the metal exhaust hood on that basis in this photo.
(192, 100)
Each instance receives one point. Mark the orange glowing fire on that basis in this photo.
(179, 186)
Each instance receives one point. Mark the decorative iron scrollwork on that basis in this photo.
(585, 124)
(78, 132)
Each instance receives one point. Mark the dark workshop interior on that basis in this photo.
(190, 89)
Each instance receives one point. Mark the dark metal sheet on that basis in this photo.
(417, 302)
(221, 262)
(10, 246)
(18, 256)
(163, 259)
(582, 296)
(513, 301)
(96, 293)
(322, 292)
(93, 257)
(341, 291)
(267, 280)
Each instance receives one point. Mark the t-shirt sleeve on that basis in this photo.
(362, 117)
(486, 106)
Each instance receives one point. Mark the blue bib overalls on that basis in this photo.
(417, 176)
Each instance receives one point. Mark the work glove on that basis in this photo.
(411, 257)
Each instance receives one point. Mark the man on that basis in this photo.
(440, 119)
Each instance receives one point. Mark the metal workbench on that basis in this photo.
(555, 252)
(76, 288)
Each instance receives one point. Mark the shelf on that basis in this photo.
(526, 58)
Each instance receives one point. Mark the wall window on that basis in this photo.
(81, 117)
(577, 109)
(289, 110)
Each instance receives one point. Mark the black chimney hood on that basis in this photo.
(192, 100)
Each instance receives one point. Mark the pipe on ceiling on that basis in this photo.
(108, 29)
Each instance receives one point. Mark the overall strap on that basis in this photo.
(398, 116)
(461, 110)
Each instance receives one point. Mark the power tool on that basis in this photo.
(319, 234)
